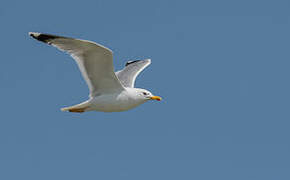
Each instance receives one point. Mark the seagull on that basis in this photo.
(109, 91)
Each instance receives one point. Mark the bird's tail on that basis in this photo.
(79, 108)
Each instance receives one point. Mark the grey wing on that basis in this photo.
(128, 75)
(94, 61)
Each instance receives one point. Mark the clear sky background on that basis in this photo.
(222, 68)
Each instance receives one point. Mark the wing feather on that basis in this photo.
(94, 61)
(128, 75)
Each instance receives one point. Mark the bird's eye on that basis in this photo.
(145, 93)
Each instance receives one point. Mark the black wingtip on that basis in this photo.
(131, 62)
(42, 37)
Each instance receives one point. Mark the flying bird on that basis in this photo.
(109, 91)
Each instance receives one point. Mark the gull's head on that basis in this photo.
(146, 95)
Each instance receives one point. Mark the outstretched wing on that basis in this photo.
(128, 75)
(95, 61)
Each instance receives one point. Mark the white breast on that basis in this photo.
(114, 102)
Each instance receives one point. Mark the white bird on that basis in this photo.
(109, 91)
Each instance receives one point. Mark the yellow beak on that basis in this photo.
(156, 98)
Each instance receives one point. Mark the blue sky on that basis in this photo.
(222, 68)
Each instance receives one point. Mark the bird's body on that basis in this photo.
(116, 102)
(109, 91)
